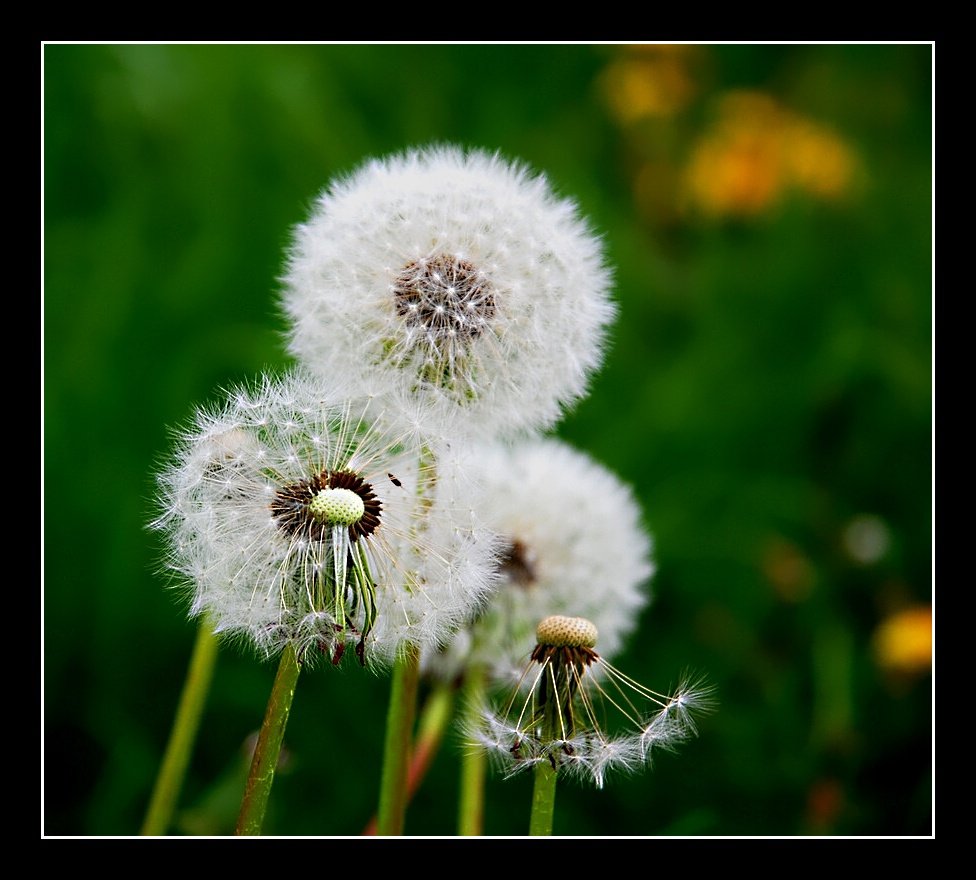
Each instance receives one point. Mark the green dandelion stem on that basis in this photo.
(435, 716)
(394, 793)
(268, 748)
(185, 726)
(399, 734)
(434, 719)
(471, 803)
(543, 800)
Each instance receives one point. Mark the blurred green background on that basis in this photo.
(768, 393)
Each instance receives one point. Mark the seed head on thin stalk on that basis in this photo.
(573, 543)
(560, 714)
(458, 277)
(297, 515)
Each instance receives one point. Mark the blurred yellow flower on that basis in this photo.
(902, 643)
(756, 151)
(649, 81)
(818, 161)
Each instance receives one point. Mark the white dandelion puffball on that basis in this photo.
(573, 543)
(458, 277)
(308, 517)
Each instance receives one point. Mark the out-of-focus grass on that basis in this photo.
(768, 393)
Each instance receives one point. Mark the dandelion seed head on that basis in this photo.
(585, 725)
(285, 523)
(454, 276)
(573, 544)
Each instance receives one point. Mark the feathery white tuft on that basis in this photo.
(258, 511)
(573, 544)
(456, 276)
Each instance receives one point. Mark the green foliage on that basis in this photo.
(770, 381)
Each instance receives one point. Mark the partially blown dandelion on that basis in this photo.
(305, 517)
(455, 276)
(558, 716)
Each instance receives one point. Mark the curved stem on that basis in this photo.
(166, 791)
(399, 733)
(471, 806)
(435, 715)
(543, 800)
(268, 748)
(394, 793)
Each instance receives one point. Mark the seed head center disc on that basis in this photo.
(560, 631)
(446, 297)
(339, 507)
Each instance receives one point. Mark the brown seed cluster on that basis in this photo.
(290, 506)
(517, 566)
(446, 298)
